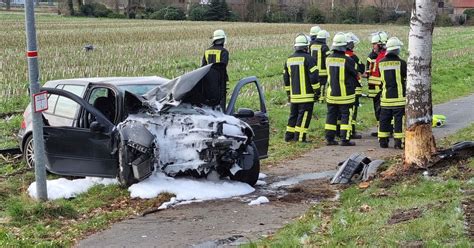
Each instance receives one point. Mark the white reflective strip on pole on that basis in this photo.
(33, 72)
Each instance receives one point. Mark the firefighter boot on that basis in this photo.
(398, 144)
(331, 142)
(383, 142)
(355, 135)
(347, 143)
(289, 136)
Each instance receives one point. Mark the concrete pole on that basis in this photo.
(33, 72)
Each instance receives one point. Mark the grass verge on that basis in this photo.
(418, 210)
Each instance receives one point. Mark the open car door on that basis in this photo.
(256, 118)
(75, 151)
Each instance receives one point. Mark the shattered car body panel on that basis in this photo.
(189, 138)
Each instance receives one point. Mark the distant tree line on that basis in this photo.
(256, 11)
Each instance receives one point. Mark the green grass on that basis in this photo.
(349, 223)
(26, 222)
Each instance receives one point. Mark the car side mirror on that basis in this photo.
(96, 127)
(244, 113)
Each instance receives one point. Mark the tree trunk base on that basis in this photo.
(418, 146)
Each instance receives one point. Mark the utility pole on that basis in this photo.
(420, 143)
(33, 72)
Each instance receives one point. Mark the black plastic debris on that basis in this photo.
(10, 151)
(88, 47)
(457, 148)
(357, 164)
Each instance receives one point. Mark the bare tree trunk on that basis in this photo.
(8, 4)
(420, 143)
(116, 6)
(70, 6)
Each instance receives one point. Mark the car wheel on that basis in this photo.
(28, 152)
(249, 176)
(125, 172)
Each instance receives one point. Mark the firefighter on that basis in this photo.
(313, 32)
(373, 74)
(340, 92)
(220, 56)
(319, 50)
(352, 40)
(300, 75)
(393, 72)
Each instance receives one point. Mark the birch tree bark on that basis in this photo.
(419, 140)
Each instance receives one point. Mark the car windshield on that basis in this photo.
(137, 89)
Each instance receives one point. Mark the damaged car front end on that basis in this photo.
(187, 139)
(161, 131)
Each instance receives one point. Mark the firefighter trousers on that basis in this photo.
(385, 126)
(322, 81)
(298, 122)
(376, 100)
(335, 112)
(355, 107)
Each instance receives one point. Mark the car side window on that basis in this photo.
(52, 99)
(104, 100)
(96, 93)
(248, 98)
(66, 107)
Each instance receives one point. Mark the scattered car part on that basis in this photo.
(356, 164)
(456, 149)
(370, 170)
(353, 165)
(10, 151)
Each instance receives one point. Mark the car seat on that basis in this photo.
(106, 106)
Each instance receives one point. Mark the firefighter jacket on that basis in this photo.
(342, 76)
(393, 71)
(219, 55)
(373, 73)
(360, 68)
(319, 50)
(300, 76)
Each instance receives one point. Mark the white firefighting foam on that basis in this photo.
(181, 133)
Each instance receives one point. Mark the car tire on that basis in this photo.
(249, 176)
(28, 152)
(125, 172)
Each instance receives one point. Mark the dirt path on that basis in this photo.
(231, 222)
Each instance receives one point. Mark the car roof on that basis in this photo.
(117, 81)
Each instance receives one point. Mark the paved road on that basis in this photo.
(230, 222)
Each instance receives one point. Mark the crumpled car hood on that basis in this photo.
(173, 92)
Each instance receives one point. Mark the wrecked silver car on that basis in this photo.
(133, 134)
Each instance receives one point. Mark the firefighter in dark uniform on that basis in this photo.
(352, 40)
(300, 75)
(393, 71)
(340, 92)
(319, 50)
(217, 54)
(373, 74)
